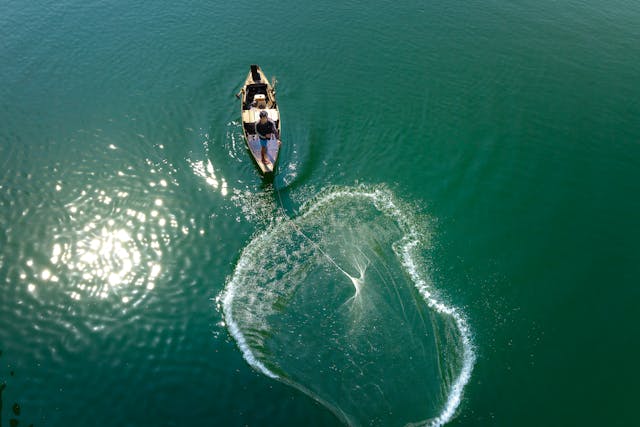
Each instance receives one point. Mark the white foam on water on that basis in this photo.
(235, 330)
(384, 201)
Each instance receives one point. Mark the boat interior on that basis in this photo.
(257, 89)
(250, 117)
(256, 99)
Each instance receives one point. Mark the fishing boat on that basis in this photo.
(258, 95)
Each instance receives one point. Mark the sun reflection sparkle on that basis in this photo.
(106, 256)
(206, 171)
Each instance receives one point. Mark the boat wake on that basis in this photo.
(337, 303)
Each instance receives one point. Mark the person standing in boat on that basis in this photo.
(266, 129)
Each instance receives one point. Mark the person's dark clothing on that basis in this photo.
(265, 128)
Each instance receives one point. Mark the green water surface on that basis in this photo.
(127, 197)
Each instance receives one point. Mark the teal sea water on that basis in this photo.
(452, 236)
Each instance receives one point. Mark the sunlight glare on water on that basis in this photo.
(109, 256)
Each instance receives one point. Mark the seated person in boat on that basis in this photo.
(266, 129)
(259, 101)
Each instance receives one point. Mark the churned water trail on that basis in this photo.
(354, 345)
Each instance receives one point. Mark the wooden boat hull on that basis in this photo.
(257, 83)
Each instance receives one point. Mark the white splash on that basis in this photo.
(384, 202)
